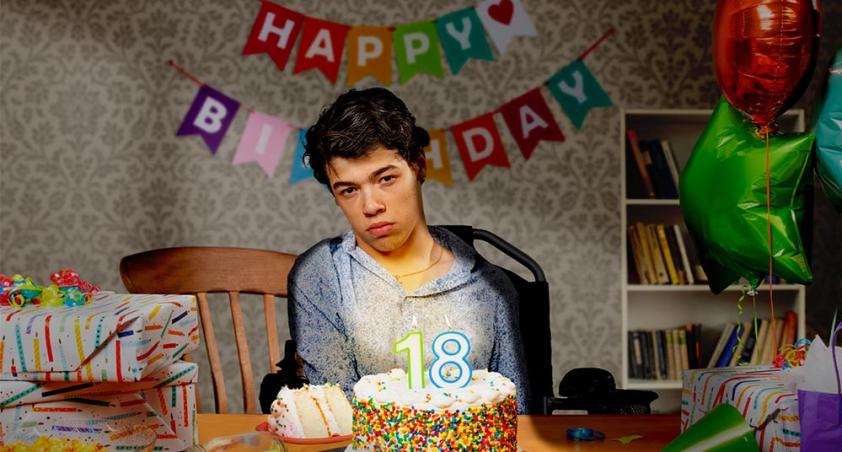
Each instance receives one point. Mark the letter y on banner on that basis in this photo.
(576, 89)
(210, 115)
(263, 142)
(274, 32)
(479, 144)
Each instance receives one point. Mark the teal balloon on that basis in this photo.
(829, 136)
(723, 199)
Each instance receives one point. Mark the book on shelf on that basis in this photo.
(665, 187)
(720, 345)
(663, 354)
(660, 255)
(757, 353)
(656, 166)
(753, 342)
(672, 162)
(643, 162)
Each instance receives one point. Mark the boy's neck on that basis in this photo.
(416, 252)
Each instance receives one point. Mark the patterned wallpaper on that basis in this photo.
(91, 169)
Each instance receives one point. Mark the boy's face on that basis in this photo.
(380, 196)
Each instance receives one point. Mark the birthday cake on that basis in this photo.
(479, 416)
(314, 411)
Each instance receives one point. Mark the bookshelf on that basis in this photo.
(647, 306)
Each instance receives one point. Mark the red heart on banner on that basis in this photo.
(502, 12)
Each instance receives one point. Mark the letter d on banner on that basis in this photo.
(479, 144)
(209, 116)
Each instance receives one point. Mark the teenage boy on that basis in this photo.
(352, 297)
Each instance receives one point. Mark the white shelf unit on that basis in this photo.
(654, 307)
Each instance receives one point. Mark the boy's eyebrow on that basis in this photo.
(373, 175)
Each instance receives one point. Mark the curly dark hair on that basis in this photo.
(358, 122)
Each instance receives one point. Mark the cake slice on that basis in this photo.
(314, 411)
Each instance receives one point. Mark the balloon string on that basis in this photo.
(739, 344)
(769, 234)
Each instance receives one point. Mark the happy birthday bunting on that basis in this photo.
(438, 162)
(300, 171)
(209, 116)
(577, 91)
(504, 20)
(321, 47)
(462, 38)
(529, 120)
(417, 50)
(274, 32)
(263, 141)
(370, 54)
(479, 144)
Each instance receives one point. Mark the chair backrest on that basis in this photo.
(534, 307)
(204, 270)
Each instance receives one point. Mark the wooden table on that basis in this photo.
(535, 433)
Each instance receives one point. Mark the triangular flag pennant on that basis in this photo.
(274, 32)
(530, 121)
(263, 141)
(210, 115)
(479, 144)
(370, 53)
(321, 47)
(576, 89)
(417, 50)
(503, 20)
(462, 38)
(438, 163)
(300, 171)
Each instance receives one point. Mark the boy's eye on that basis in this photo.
(347, 191)
(387, 178)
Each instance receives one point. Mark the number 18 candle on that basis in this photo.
(439, 373)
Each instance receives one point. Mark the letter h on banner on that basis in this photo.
(274, 32)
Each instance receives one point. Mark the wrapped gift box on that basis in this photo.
(760, 393)
(115, 337)
(120, 416)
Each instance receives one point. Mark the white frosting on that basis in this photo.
(284, 419)
(317, 393)
(393, 387)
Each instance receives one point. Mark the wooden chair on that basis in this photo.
(204, 270)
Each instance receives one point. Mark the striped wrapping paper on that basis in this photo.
(120, 416)
(116, 337)
(760, 393)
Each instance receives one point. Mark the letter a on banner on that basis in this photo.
(438, 163)
(576, 89)
(503, 20)
(210, 115)
(263, 142)
(479, 144)
(530, 121)
(274, 32)
(321, 47)
(370, 53)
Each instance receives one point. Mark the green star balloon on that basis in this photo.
(723, 199)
